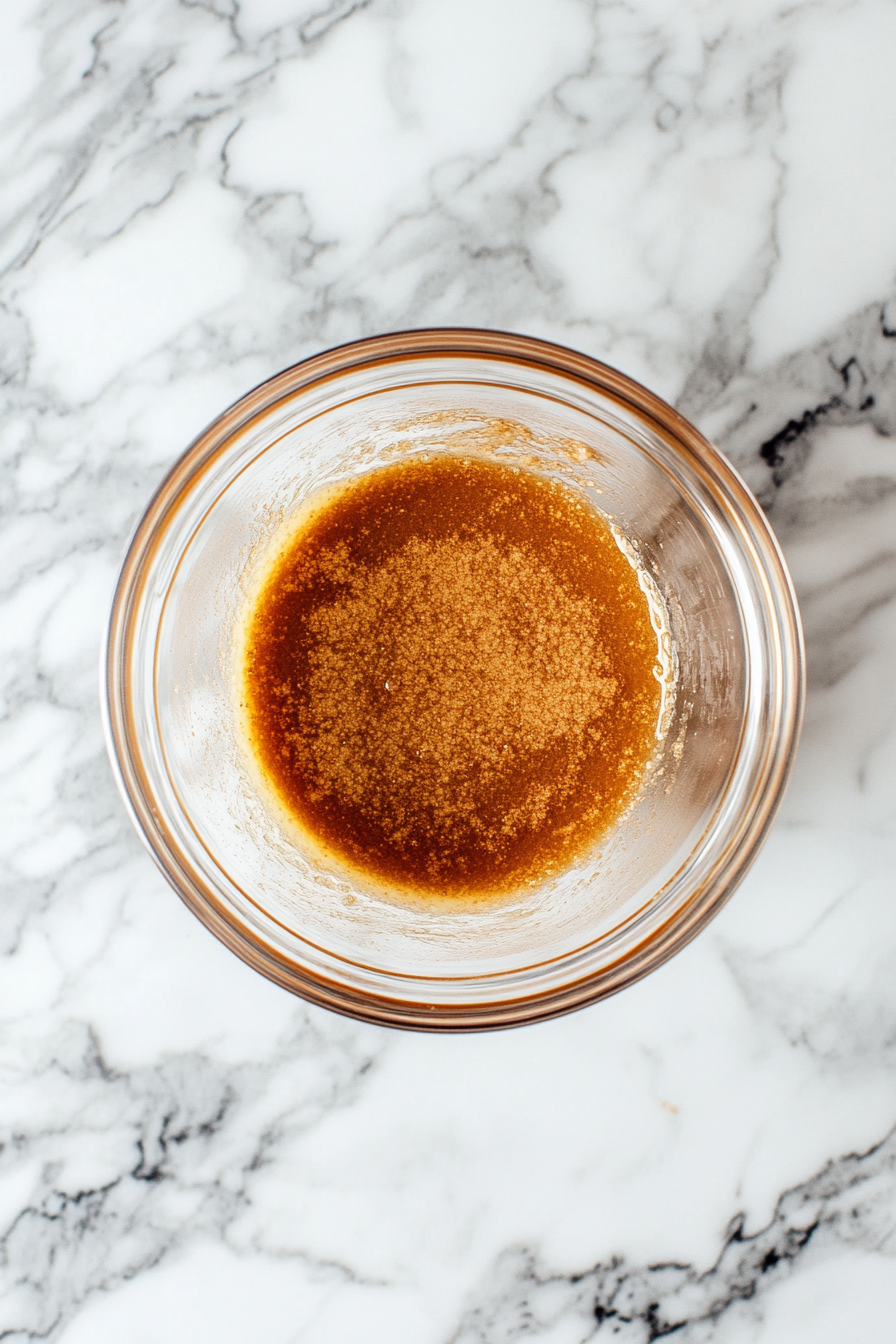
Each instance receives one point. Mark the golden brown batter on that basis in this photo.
(450, 676)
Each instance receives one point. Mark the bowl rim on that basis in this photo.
(716, 885)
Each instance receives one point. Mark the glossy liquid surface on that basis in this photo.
(451, 677)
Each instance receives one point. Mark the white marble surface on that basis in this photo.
(196, 193)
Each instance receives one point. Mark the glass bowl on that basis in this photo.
(171, 685)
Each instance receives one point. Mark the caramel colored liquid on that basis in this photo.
(451, 677)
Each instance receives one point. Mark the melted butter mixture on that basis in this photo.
(451, 678)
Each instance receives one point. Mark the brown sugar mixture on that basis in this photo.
(451, 676)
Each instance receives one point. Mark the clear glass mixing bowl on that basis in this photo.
(172, 687)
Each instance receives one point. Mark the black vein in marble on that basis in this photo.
(179, 1143)
(852, 1201)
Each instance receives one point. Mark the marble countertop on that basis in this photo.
(197, 193)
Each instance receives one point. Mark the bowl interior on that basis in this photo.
(225, 826)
